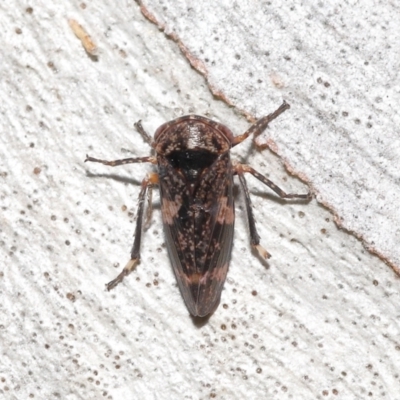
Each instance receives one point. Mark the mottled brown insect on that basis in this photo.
(195, 176)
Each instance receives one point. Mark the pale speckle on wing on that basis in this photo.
(226, 214)
(220, 273)
(195, 278)
(186, 241)
(170, 210)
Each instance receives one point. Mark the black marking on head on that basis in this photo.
(191, 162)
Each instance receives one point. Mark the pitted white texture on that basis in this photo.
(322, 315)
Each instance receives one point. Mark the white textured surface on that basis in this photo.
(337, 63)
(325, 317)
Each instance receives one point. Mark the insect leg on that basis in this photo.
(145, 135)
(254, 236)
(153, 181)
(124, 161)
(261, 124)
(246, 168)
(135, 252)
(240, 169)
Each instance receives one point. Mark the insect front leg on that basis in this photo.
(147, 186)
(261, 124)
(240, 170)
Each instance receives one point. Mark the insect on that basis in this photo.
(195, 177)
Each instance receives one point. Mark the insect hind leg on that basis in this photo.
(240, 170)
(254, 236)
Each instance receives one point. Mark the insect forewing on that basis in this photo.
(198, 222)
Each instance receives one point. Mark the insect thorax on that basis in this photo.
(192, 133)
